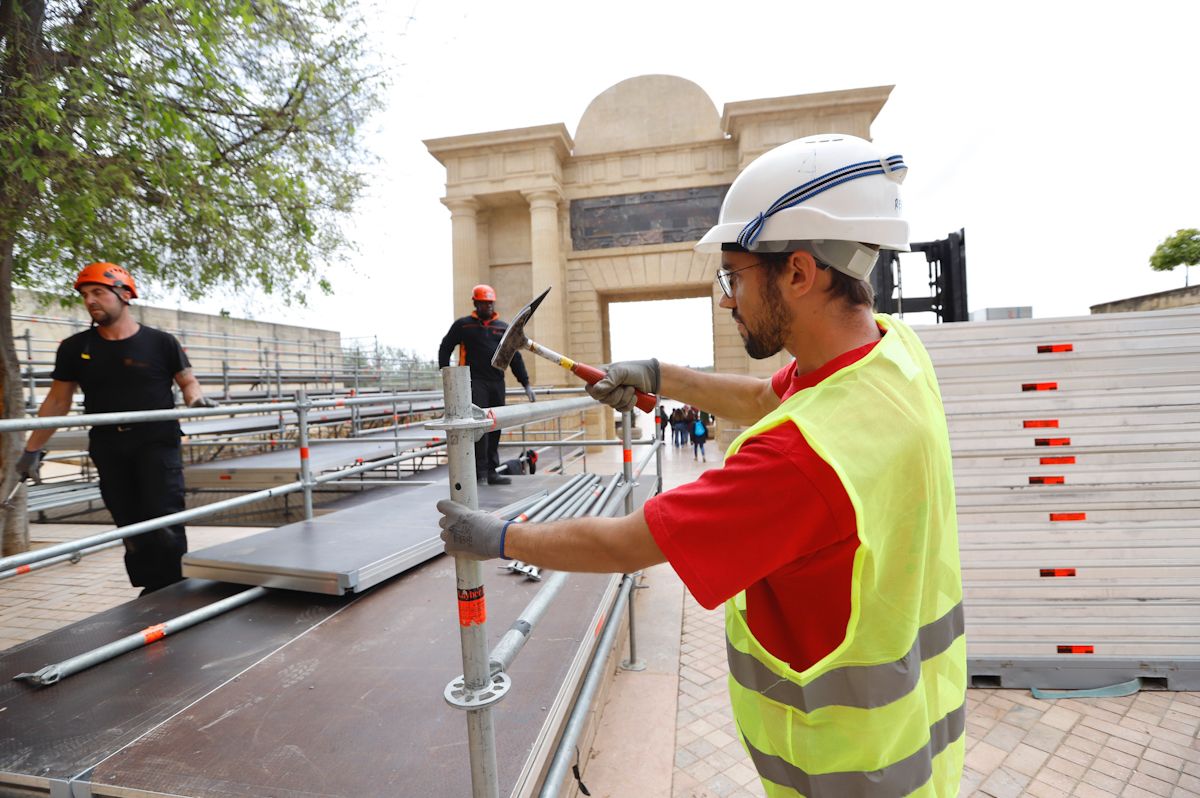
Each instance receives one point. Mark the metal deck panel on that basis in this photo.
(350, 550)
(57, 732)
(355, 708)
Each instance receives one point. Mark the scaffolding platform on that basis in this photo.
(297, 694)
(353, 549)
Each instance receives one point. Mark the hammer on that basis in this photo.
(515, 339)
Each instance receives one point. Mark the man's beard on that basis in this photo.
(773, 325)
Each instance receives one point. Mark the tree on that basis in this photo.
(1181, 249)
(196, 142)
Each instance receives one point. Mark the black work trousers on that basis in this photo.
(140, 480)
(487, 393)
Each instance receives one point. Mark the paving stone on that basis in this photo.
(1005, 783)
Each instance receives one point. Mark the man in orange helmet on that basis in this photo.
(477, 337)
(123, 365)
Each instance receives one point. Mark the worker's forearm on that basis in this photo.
(191, 392)
(50, 407)
(587, 545)
(735, 397)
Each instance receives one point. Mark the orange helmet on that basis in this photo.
(109, 274)
(483, 293)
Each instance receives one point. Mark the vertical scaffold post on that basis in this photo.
(633, 663)
(562, 466)
(302, 405)
(477, 689)
(30, 398)
(627, 456)
(660, 413)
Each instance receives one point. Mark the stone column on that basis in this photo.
(547, 327)
(465, 257)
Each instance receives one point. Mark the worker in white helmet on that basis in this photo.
(830, 532)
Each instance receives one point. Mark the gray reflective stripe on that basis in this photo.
(863, 686)
(902, 778)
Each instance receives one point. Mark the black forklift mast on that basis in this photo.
(947, 283)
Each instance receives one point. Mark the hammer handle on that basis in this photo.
(591, 375)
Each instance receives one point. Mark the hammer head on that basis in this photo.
(514, 339)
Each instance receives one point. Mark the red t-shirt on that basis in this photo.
(776, 522)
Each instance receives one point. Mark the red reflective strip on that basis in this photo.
(1068, 516)
(358, 461)
(472, 606)
(1051, 441)
(156, 632)
(492, 415)
(520, 519)
(339, 403)
(1039, 386)
(628, 455)
(1040, 422)
(1047, 480)
(1067, 460)
(1076, 649)
(1053, 572)
(599, 626)
(1044, 349)
(23, 569)
(225, 476)
(303, 452)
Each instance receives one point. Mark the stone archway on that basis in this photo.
(614, 212)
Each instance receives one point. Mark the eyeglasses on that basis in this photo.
(723, 276)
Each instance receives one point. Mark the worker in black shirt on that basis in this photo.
(477, 337)
(123, 365)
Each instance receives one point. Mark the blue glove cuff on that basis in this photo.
(503, 533)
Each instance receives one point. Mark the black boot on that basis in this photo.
(498, 479)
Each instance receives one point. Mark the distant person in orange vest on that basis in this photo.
(477, 337)
(122, 365)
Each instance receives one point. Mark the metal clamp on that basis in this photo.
(480, 423)
(457, 694)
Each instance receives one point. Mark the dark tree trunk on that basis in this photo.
(20, 42)
(16, 521)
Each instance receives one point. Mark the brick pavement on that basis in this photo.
(1135, 747)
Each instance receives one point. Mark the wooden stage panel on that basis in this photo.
(57, 731)
(355, 707)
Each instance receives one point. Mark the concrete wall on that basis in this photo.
(612, 214)
(1163, 300)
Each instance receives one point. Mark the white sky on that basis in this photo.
(1061, 135)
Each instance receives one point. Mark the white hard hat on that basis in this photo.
(830, 194)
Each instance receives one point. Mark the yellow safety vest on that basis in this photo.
(884, 713)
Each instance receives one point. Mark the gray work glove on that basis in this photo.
(203, 401)
(529, 392)
(471, 533)
(616, 387)
(29, 465)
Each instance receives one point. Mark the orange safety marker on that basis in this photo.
(627, 454)
(1039, 386)
(24, 569)
(472, 606)
(225, 476)
(1040, 422)
(156, 632)
(1051, 441)
(1076, 649)
(1068, 516)
(1055, 572)
(1044, 349)
(1047, 480)
(303, 452)
(1064, 460)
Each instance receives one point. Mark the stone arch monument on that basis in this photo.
(612, 215)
